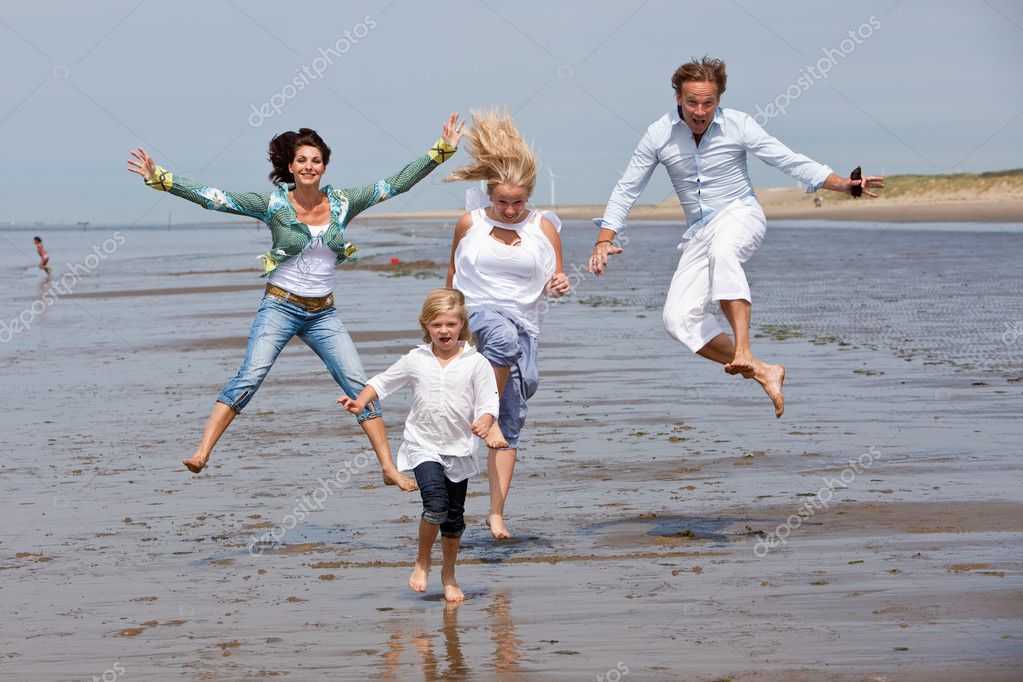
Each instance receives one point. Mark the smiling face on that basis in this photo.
(307, 166)
(699, 100)
(444, 330)
(509, 202)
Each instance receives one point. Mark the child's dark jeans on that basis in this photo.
(443, 501)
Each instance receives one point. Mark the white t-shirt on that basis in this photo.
(310, 273)
(445, 402)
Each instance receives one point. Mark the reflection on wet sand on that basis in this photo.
(502, 627)
(452, 665)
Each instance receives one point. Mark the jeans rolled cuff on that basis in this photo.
(236, 408)
(452, 534)
(435, 518)
(372, 411)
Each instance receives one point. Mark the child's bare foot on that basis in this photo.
(495, 439)
(497, 528)
(771, 378)
(195, 463)
(452, 592)
(404, 483)
(742, 362)
(420, 576)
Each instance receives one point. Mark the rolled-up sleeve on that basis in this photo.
(394, 378)
(772, 152)
(631, 185)
(484, 384)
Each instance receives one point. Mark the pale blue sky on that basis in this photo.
(929, 87)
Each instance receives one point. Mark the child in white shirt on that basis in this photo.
(454, 397)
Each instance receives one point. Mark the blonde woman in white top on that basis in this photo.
(506, 259)
(454, 400)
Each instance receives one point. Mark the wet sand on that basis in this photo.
(667, 526)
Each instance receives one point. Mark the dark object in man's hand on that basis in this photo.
(857, 174)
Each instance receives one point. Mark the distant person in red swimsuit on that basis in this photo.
(44, 258)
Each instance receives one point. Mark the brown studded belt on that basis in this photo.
(313, 304)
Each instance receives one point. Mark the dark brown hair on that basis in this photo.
(705, 70)
(282, 152)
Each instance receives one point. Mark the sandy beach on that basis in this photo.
(666, 526)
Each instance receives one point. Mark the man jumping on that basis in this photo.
(703, 147)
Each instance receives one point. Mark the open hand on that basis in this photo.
(453, 130)
(142, 165)
(874, 182)
(599, 257)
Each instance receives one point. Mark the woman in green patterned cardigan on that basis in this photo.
(307, 225)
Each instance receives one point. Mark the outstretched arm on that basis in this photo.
(837, 183)
(356, 406)
(251, 204)
(804, 169)
(623, 196)
(361, 198)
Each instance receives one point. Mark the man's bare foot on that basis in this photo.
(495, 439)
(452, 592)
(742, 362)
(497, 528)
(404, 483)
(420, 575)
(195, 463)
(771, 378)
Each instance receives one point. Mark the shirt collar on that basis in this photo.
(675, 116)
(427, 348)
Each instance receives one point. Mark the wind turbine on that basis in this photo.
(552, 176)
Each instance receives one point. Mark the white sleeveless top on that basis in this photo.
(310, 273)
(512, 278)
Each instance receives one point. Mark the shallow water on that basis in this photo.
(647, 481)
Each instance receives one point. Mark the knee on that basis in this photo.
(720, 252)
(501, 344)
(436, 517)
(435, 504)
(453, 527)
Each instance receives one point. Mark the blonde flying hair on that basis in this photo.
(499, 154)
(440, 301)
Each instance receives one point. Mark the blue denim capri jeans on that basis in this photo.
(277, 321)
(505, 342)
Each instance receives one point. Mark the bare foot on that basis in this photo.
(195, 463)
(495, 440)
(404, 483)
(497, 528)
(771, 377)
(452, 592)
(420, 575)
(742, 362)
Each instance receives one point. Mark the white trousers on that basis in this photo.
(710, 270)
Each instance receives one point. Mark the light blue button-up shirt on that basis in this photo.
(708, 177)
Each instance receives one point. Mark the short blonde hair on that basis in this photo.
(440, 301)
(498, 152)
